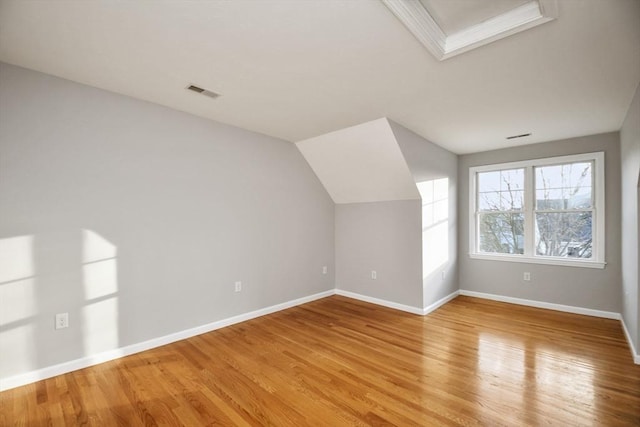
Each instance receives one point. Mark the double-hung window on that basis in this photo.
(548, 211)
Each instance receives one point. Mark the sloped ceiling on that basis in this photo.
(299, 69)
(360, 164)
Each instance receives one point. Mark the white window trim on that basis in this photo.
(598, 249)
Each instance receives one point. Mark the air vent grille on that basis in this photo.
(519, 136)
(195, 89)
(202, 91)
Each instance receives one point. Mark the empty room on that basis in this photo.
(320, 212)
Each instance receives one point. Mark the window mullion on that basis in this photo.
(529, 207)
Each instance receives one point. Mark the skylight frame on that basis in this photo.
(417, 19)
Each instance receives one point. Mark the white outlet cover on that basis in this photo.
(62, 320)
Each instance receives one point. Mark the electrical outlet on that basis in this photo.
(238, 287)
(374, 275)
(443, 274)
(62, 320)
(526, 276)
(324, 269)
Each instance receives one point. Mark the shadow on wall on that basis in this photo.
(73, 272)
(435, 225)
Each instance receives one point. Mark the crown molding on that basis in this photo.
(422, 25)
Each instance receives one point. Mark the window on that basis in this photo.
(547, 211)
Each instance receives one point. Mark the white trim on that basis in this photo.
(442, 301)
(382, 302)
(598, 211)
(421, 24)
(634, 352)
(473, 217)
(84, 362)
(545, 161)
(542, 304)
(520, 16)
(397, 306)
(539, 260)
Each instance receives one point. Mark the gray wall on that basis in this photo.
(598, 289)
(137, 220)
(630, 174)
(380, 236)
(429, 162)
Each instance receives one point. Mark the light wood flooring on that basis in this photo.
(341, 362)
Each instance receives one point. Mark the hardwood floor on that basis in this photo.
(341, 362)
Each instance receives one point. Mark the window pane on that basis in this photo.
(564, 234)
(512, 200)
(562, 187)
(489, 181)
(512, 179)
(489, 201)
(552, 199)
(501, 190)
(579, 198)
(502, 233)
(549, 177)
(578, 174)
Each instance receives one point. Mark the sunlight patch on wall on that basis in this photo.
(96, 248)
(19, 343)
(100, 278)
(100, 321)
(100, 282)
(17, 293)
(17, 304)
(17, 301)
(16, 258)
(435, 224)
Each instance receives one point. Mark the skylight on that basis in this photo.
(420, 18)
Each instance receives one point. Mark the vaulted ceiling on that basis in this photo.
(299, 69)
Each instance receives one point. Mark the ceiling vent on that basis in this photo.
(519, 136)
(420, 17)
(202, 91)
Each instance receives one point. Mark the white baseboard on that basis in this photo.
(442, 301)
(378, 301)
(634, 351)
(398, 306)
(541, 304)
(84, 362)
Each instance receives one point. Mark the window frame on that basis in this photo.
(597, 259)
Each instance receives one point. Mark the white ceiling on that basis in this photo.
(299, 69)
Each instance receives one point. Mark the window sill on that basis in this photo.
(540, 260)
